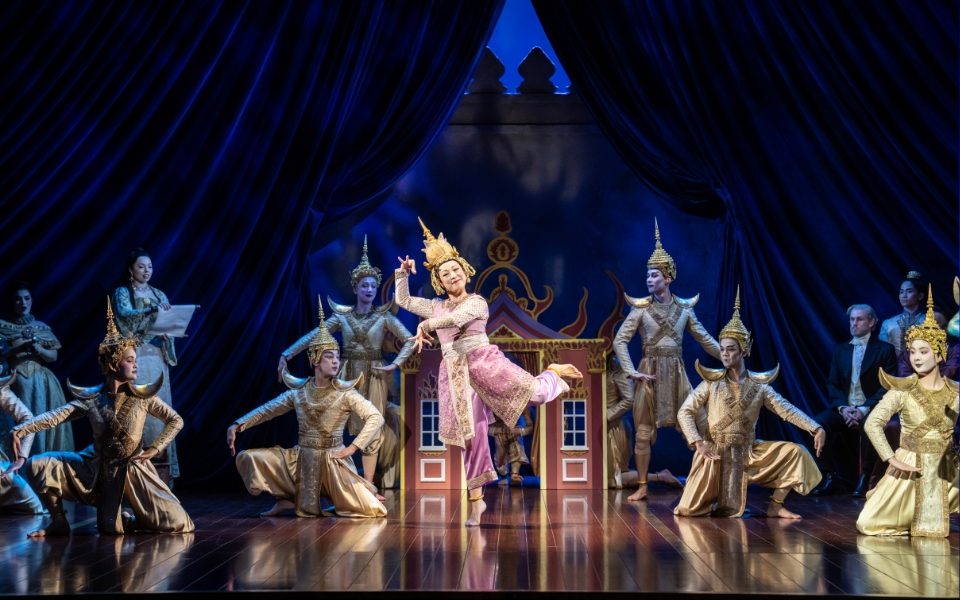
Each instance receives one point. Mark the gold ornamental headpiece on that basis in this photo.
(660, 259)
(364, 269)
(114, 344)
(438, 251)
(929, 331)
(736, 330)
(322, 340)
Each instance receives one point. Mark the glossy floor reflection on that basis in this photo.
(530, 540)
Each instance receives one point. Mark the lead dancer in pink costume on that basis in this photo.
(476, 380)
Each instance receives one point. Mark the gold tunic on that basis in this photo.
(363, 339)
(661, 326)
(103, 474)
(15, 493)
(919, 504)
(619, 445)
(307, 472)
(732, 413)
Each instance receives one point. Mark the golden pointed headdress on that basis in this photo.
(364, 269)
(114, 344)
(438, 251)
(660, 259)
(322, 340)
(736, 330)
(929, 331)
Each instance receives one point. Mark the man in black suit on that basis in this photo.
(853, 390)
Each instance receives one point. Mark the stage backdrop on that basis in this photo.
(806, 152)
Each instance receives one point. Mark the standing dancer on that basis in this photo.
(662, 382)
(475, 377)
(364, 328)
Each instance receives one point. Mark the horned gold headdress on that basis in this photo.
(364, 269)
(736, 330)
(929, 331)
(438, 251)
(660, 259)
(114, 344)
(322, 340)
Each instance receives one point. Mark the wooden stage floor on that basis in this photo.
(530, 541)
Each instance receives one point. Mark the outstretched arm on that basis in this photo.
(418, 306)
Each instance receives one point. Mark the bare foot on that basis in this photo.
(665, 476)
(565, 371)
(476, 509)
(640, 494)
(58, 527)
(779, 511)
(516, 479)
(278, 508)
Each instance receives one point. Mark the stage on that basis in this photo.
(530, 540)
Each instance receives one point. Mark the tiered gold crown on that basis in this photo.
(929, 331)
(660, 259)
(438, 251)
(736, 330)
(364, 269)
(114, 344)
(322, 340)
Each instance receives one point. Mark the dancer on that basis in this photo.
(661, 379)
(475, 377)
(116, 469)
(730, 458)
(921, 486)
(364, 329)
(320, 466)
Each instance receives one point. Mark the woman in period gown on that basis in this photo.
(921, 486)
(137, 304)
(475, 377)
(31, 343)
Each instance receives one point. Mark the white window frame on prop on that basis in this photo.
(430, 425)
(568, 419)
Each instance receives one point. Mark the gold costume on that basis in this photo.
(307, 472)
(732, 413)
(364, 335)
(619, 446)
(15, 493)
(919, 505)
(916, 503)
(363, 339)
(733, 407)
(103, 475)
(661, 326)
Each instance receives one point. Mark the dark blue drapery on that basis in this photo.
(224, 137)
(823, 133)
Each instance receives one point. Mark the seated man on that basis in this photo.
(320, 466)
(730, 458)
(853, 389)
(115, 470)
(16, 496)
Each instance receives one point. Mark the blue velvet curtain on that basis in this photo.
(227, 138)
(823, 133)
